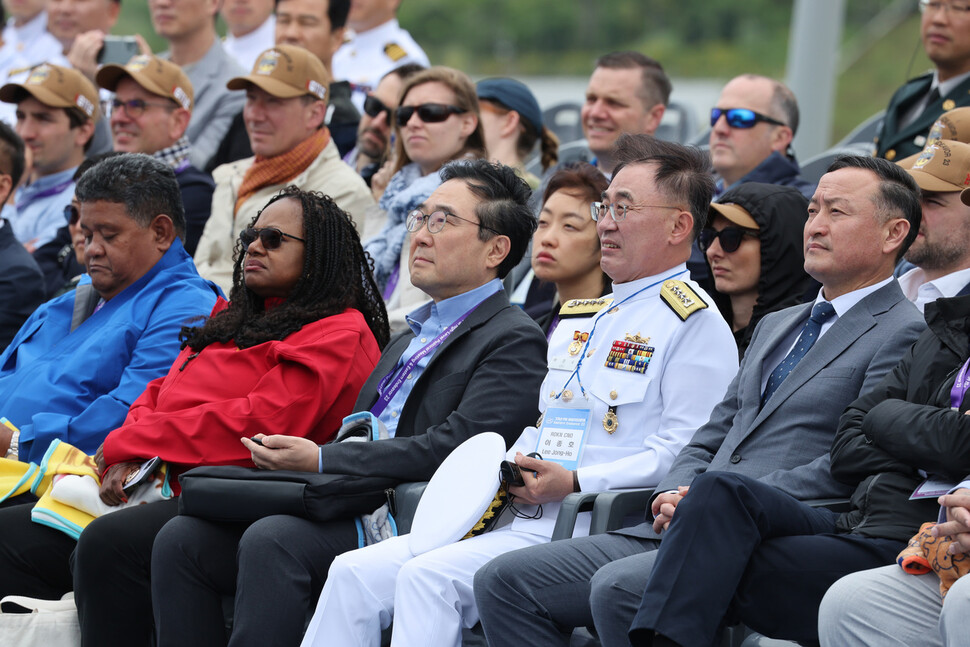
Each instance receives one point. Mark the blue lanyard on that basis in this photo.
(582, 353)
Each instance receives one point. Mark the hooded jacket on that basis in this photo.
(780, 212)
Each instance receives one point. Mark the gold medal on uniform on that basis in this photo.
(567, 395)
(610, 421)
(949, 104)
(579, 338)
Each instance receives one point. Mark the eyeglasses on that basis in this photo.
(730, 238)
(741, 117)
(959, 8)
(270, 237)
(597, 210)
(71, 214)
(429, 113)
(135, 108)
(374, 106)
(436, 221)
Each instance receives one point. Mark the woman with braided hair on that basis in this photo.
(288, 353)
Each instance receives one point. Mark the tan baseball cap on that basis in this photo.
(57, 87)
(944, 166)
(286, 71)
(158, 76)
(735, 213)
(952, 125)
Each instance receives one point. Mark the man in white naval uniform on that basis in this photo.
(643, 366)
(377, 45)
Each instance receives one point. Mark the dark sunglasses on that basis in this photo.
(429, 113)
(71, 214)
(374, 106)
(730, 238)
(270, 237)
(741, 117)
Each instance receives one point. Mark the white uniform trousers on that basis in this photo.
(885, 607)
(429, 597)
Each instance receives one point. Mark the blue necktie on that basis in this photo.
(821, 312)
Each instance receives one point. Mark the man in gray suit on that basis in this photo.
(775, 424)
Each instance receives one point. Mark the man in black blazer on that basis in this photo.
(21, 281)
(945, 32)
(470, 363)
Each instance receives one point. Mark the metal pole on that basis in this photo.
(813, 67)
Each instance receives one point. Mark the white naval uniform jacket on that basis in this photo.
(658, 410)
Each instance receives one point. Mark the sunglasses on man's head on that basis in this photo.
(269, 237)
(429, 113)
(741, 117)
(374, 106)
(730, 238)
(71, 214)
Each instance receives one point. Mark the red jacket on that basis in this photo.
(303, 385)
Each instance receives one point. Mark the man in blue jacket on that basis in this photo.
(80, 360)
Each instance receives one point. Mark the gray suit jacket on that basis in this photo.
(786, 444)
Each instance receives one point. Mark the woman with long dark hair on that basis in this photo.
(289, 352)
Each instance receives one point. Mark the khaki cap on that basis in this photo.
(56, 87)
(158, 76)
(953, 125)
(735, 213)
(944, 166)
(286, 71)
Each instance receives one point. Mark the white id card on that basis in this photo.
(931, 489)
(562, 435)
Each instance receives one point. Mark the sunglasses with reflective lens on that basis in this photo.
(374, 106)
(429, 113)
(270, 237)
(71, 214)
(730, 238)
(741, 117)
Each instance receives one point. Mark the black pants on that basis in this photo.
(112, 569)
(34, 559)
(274, 568)
(740, 549)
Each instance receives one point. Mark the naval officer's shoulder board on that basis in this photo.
(681, 298)
(583, 307)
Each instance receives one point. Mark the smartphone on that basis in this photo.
(258, 441)
(143, 474)
(118, 50)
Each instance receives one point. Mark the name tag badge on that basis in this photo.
(564, 363)
(931, 488)
(562, 435)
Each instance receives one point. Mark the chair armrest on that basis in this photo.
(611, 508)
(406, 497)
(571, 506)
(835, 505)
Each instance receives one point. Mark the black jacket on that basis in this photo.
(484, 377)
(904, 425)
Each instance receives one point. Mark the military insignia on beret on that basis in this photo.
(681, 298)
(268, 62)
(925, 157)
(394, 51)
